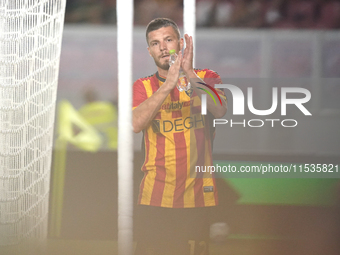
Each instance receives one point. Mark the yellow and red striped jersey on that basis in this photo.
(177, 140)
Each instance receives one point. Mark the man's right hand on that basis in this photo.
(146, 111)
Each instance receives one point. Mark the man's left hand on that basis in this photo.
(188, 55)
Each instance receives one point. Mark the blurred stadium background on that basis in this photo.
(270, 42)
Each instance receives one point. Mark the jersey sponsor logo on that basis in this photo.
(208, 189)
(178, 125)
(175, 106)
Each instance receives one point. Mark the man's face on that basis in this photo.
(160, 42)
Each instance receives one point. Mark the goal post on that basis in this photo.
(189, 21)
(125, 141)
(30, 45)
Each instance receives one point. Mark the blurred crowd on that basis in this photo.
(289, 14)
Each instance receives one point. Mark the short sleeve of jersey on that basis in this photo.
(212, 78)
(139, 93)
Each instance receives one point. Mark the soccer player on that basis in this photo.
(174, 202)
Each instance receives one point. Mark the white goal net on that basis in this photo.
(30, 42)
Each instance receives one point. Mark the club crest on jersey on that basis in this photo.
(189, 92)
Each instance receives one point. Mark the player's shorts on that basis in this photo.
(172, 231)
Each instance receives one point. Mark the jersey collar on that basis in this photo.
(162, 79)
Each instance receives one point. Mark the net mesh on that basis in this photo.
(30, 42)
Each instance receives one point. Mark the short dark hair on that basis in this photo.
(161, 22)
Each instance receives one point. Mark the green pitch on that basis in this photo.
(283, 191)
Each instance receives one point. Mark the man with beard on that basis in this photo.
(174, 202)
